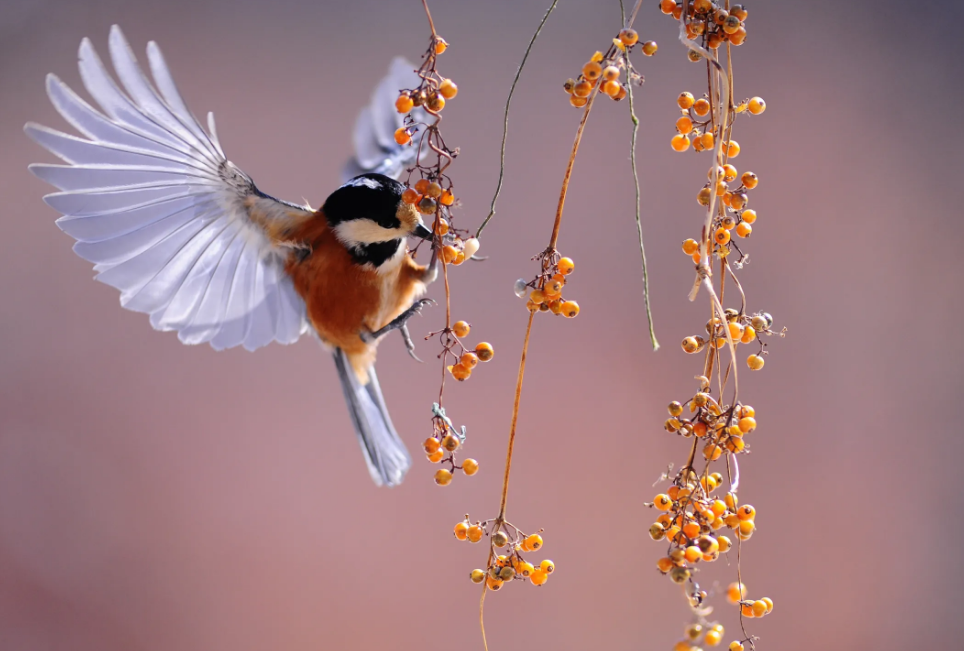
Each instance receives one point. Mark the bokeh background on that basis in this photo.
(155, 496)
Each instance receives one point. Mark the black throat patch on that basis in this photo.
(374, 254)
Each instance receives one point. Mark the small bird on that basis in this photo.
(188, 238)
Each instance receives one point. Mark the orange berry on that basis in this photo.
(460, 329)
(461, 530)
(743, 229)
(582, 89)
(649, 48)
(485, 351)
(749, 334)
(759, 608)
(592, 70)
(449, 253)
(421, 186)
(663, 502)
(610, 73)
(755, 362)
(685, 100)
(664, 564)
(447, 198)
(448, 89)
(538, 577)
(474, 534)
(703, 196)
(441, 45)
(749, 180)
(746, 512)
(736, 330)
(745, 528)
(693, 554)
(724, 544)
(680, 142)
(459, 258)
(577, 101)
(404, 103)
(493, 583)
(553, 287)
(732, 149)
(735, 444)
(748, 216)
(402, 136)
(461, 373)
(735, 646)
(537, 296)
(533, 542)
(443, 226)
(410, 196)
(684, 125)
(722, 236)
(451, 443)
(757, 105)
(433, 190)
(469, 360)
(693, 344)
(570, 309)
(735, 592)
(435, 103)
(691, 530)
(747, 424)
(565, 266)
(611, 88)
(547, 566)
(470, 467)
(713, 637)
(477, 576)
(431, 445)
(707, 140)
(628, 36)
(701, 107)
(712, 451)
(436, 456)
(443, 477)
(729, 172)
(768, 603)
(667, 6)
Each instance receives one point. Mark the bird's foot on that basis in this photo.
(399, 322)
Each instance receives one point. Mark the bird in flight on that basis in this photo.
(188, 238)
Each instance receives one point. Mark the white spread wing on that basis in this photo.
(374, 136)
(164, 216)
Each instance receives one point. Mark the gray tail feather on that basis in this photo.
(385, 454)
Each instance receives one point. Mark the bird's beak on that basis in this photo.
(422, 232)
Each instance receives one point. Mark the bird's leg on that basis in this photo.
(397, 322)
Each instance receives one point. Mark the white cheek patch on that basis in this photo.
(365, 231)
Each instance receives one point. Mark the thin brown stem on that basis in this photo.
(431, 23)
(515, 418)
(565, 179)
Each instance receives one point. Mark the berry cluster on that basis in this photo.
(710, 634)
(546, 294)
(695, 127)
(710, 21)
(442, 445)
(432, 194)
(506, 562)
(603, 71)
(735, 594)
(742, 329)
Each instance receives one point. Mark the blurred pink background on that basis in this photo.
(155, 496)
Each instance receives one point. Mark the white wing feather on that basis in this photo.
(153, 202)
(374, 135)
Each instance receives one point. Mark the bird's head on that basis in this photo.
(368, 216)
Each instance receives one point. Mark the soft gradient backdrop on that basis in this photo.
(156, 497)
